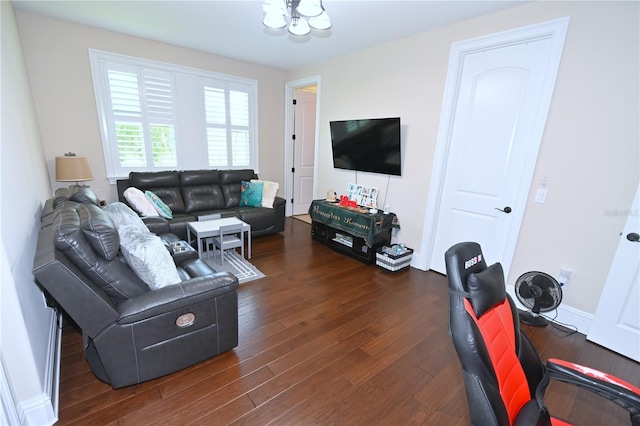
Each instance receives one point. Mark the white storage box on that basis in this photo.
(392, 262)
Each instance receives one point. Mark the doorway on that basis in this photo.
(498, 92)
(302, 133)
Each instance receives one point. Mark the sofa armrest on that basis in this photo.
(121, 186)
(279, 205)
(170, 298)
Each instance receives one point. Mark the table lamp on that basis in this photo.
(71, 168)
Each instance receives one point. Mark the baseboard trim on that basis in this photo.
(43, 409)
(566, 315)
(8, 411)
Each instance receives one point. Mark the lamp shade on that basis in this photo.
(72, 169)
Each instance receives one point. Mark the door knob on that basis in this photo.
(506, 210)
(632, 236)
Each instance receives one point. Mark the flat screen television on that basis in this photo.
(367, 145)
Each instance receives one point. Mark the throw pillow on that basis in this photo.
(160, 206)
(251, 194)
(139, 201)
(122, 215)
(269, 192)
(147, 255)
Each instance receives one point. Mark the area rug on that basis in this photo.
(235, 264)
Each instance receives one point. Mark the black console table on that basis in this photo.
(353, 232)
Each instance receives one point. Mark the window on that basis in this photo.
(227, 121)
(143, 118)
(157, 116)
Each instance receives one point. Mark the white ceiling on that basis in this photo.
(234, 28)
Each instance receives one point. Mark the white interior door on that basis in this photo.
(493, 133)
(304, 148)
(616, 324)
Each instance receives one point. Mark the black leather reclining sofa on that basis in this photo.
(194, 193)
(131, 333)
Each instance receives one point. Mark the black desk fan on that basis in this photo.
(538, 292)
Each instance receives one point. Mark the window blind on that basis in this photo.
(144, 118)
(227, 120)
(160, 116)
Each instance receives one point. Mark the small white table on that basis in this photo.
(210, 228)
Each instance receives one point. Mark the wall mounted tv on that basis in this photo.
(369, 145)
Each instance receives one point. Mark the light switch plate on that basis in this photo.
(541, 196)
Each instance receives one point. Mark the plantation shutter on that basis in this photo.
(228, 123)
(142, 104)
(159, 116)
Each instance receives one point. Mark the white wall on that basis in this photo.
(589, 153)
(57, 59)
(27, 325)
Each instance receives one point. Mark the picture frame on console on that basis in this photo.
(365, 196)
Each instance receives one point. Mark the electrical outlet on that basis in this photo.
(563, 277)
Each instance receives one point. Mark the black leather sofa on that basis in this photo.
(131, 333)
(195, 193)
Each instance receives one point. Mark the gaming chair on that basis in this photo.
(504, 378)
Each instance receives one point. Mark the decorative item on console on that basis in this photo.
(346, 202)
(366, 196)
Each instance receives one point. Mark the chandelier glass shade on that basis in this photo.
(303, 14)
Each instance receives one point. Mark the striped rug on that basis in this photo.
(235, 264)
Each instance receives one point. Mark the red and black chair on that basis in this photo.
(504, 378)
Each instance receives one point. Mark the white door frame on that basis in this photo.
(556, 30)
(288, 130)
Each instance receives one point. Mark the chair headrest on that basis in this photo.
(79, 194)
(486, 289)
(468, 275)
(79, 225)
(461, 260)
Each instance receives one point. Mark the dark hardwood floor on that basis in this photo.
(326, 340)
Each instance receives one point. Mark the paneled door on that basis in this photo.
(498, 93)
(616, 324)
(304, 148)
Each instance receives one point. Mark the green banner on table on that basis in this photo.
(362, 225)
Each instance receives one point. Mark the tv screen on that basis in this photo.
(369, 145)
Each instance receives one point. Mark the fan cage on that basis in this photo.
(552, 289)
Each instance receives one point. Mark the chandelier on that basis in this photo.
(304, 14)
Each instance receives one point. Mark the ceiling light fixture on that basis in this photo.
(305, 14)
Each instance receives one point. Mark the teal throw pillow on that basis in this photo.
(160, 206)
(251, 194)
